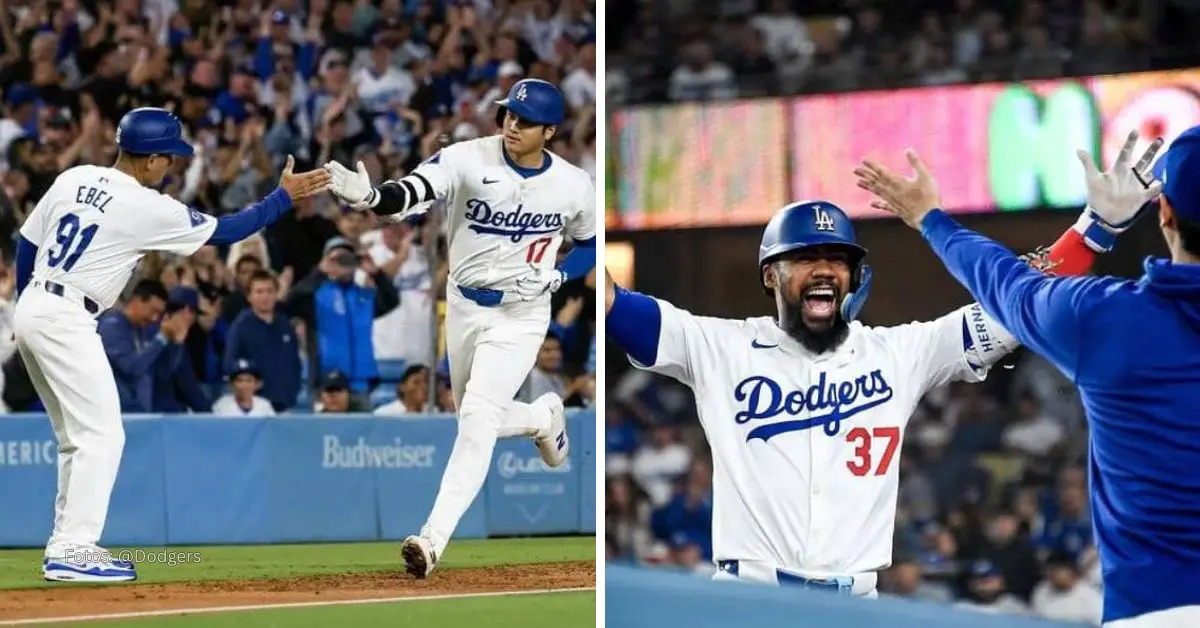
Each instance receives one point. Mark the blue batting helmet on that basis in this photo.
(152, 131)
(534, 100)
(815, 223)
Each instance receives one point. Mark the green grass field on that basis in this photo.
(20, 569)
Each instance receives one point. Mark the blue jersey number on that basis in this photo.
(68, 249)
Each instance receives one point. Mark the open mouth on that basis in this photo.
(820, 300)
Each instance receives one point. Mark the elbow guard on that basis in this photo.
(985, 342)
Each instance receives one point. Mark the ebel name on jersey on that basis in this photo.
(515, 224)
(826, 403)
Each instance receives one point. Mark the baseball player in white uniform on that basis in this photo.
(805, 411)
(75, 254)
(509, 204)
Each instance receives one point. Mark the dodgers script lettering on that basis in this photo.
(515, 224)
(827, 403)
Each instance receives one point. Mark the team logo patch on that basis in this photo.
(825, 403)
(822, 221)
(196, 217)
(521, 93)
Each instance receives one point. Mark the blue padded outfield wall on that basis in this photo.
(648, 598)
(295, 478)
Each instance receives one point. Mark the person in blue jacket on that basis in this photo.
(176, 388)
(1132, 347)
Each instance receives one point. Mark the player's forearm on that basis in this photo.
(581, 260)
(393, 197)
(241, 225)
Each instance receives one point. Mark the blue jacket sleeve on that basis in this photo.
(186, 385)
(264, 59)
(635, 323)
(241, 225)
(232, 341)
(1046, 314)
(122, 353)
(581, 260)
(26, 256)
(306, 60)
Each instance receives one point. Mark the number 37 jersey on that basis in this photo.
(95, 224)
(805, 447)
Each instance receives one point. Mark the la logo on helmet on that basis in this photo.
(822, 220)
(521, 93)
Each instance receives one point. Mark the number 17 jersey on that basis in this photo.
(95, 224)
(806, 447)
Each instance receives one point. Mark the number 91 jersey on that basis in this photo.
(95, 224)
(504, 221)
(806, 447)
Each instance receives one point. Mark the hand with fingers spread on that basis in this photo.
(1115, 198)
(909, 198)
(305, 184)
(352, 187)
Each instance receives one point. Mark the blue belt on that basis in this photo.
(837, 584)
(58, 290)
(487, 297)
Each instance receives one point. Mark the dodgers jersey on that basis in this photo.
(806, 447)
(503, 221)
(95, 224)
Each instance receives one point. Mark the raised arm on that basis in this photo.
(395, 201)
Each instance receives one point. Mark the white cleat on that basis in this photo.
(553, 444)
(419, 557)
(92, 564)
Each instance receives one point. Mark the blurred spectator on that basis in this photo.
(660, 463)
(406, 332)
(546, 376)
(987, 592)
(1009, 548)
(700, 77)
(133, 341)
(262, 335)
(246, 380)
(904, 579)
(334, 396)
(176, 388)
(339, 307)
(412, 394)
(245, 268)
(689, 513)
(1064, 596)
(1033, 432)
(1070, 528)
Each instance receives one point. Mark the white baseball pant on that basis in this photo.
(491, 351)
(1178, 617)
(68, 366)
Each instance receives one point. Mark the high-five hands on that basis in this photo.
(352, 187)
(909, 198)
(1115, 198)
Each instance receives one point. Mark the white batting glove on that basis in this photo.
(543, 282)
(1115, 198)
(353, 188)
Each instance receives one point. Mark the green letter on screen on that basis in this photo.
(1032, 143)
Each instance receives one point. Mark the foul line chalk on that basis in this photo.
(263, 607)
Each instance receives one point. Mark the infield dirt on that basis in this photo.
(63, 600)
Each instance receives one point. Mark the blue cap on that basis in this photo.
(279, 17)
(245, 367)
(20, 94)
(184, 296)
(1179, 171)
(984, 568)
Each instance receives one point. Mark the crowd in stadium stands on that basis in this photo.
(993, 507)
(692, 50)
(326, 309)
